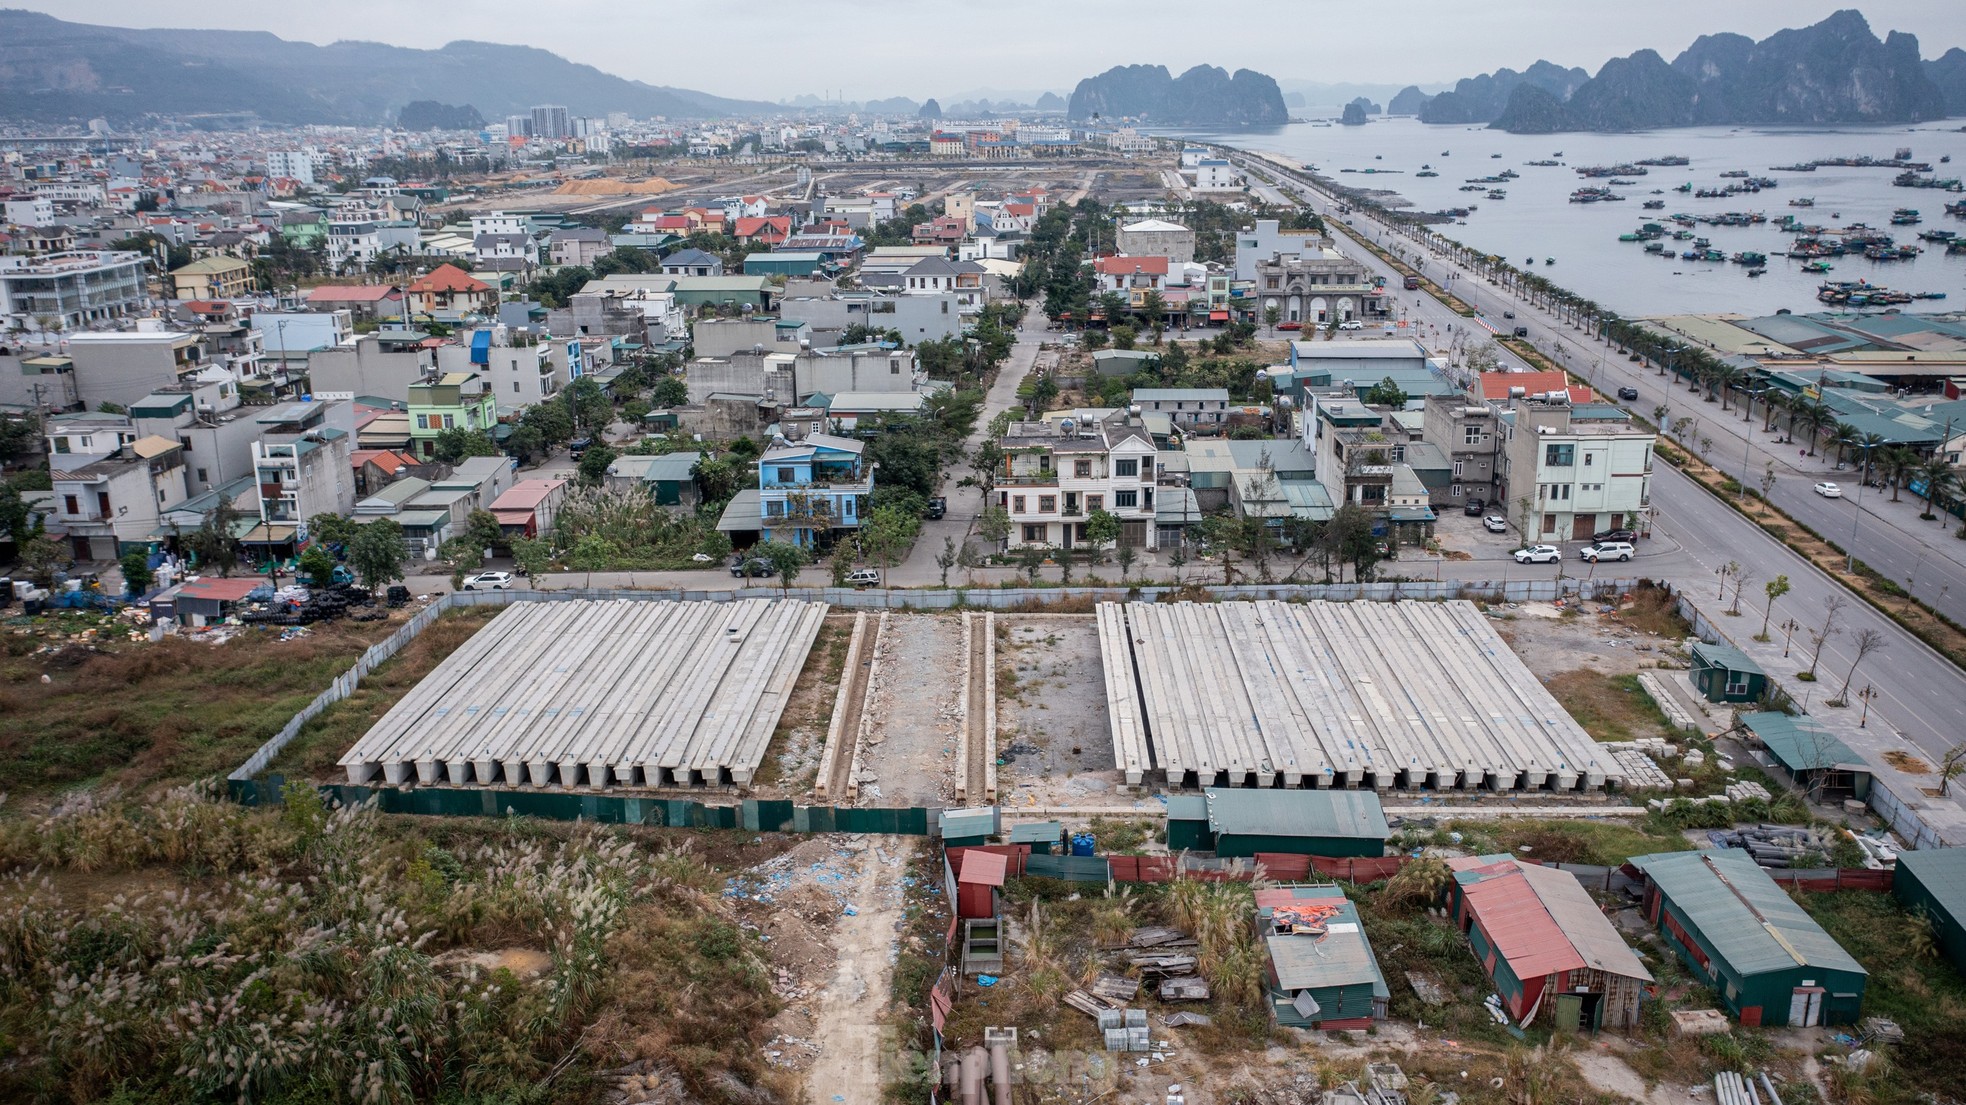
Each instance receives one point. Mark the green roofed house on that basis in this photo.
(1741, 934)
(1932, 881)
(1823, 766)
(1724, 673)
(1239, 823)
(1322, 973)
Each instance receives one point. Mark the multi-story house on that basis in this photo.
(1266, 239)
(68, 291)
(1055, 476)
(812, 488)
(578, 245)
(209, 421)
(1187, 408)
(1317, 286)
(301, 465)
(448, 293)
(1470, 434)
(103, 502)
(455, 400)
(1132, 277)
(123, 366)
(353, 242)
(938, 276)
(1573, 470)
(209, 278)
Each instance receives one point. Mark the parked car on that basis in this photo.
(1604, 535)
(578, 446)
(1829, 490)
(1495, 523)
(937, 508)
(488, 581)
(864, 577)
(1351, 324)
(751, 567)
(1474, 507)
(1608, 550)
(1539, 554)
(1628, 393)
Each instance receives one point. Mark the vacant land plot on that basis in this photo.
(1609, 707)
(915, 703)
(1051, 712)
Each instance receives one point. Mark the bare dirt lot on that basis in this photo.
(1051, 713)
(916, 703)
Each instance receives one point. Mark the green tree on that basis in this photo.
(317, 565)
(1123, 336)
(946, 559)
(137, 575)
(212, 545)
(377, 553)
(464, 555)
(1126, 555)
(455, 444)
(330, 529)
(669, 391)
(17, 521)
(594, 463)
(1386, 393)
(1272, 316)
(533, 555)
(993, 525)
(1030, 559)
(718, 479)
(786, 558)
(1102, 528)
(42, 557)
(887, 533)
(1775, 589)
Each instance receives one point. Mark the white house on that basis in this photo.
(1055, 476)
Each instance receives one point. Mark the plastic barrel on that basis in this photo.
(1082, 844)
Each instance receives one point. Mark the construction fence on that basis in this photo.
(755, 815)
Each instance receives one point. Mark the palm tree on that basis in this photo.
(1845, 439)
(1725, 378)
(1817, 417)
(1940, 481)
(1872, 443)
(1772, 403)
(1897, 463)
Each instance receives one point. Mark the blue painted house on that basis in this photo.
(819, 485)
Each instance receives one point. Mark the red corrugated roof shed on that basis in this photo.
(1521, 929)
(982, 868)
(216, 589)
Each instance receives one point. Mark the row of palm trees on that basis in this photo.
(1898, 465)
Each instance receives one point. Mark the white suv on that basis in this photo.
(1538, 554)
(1607, 550)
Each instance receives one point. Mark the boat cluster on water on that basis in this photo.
(1863, 293)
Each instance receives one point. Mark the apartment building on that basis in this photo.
(1571, 470)
(453, 401)
(1055, 475)
(72, 289)
(1470, 434)
(813, 487)
(103, 502)
(301, 464)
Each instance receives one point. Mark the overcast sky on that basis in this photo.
(773, 49)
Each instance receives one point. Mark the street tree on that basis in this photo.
(377, 552)
(784, 556)
(946, 559)
(968, 560)
(454, 445)
(670, 391)
(993, 525)
(1774, 589)
(42, 558)
(1867, 641)
(1102, 528)
(1030, 559)
(1832, 610)
(1951, 766)
(1126, 555)
(137, 575)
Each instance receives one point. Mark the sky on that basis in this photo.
(866, 49)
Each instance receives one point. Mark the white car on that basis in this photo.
(1829, 490)
(1495, 523)
(488, 581)
(1539, 554)
(1351, 324)
(1608, 550)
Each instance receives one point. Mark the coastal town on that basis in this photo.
(1204, 589)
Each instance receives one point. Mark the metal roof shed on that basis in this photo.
(1042, 836)
(1933, 881)
(1724, 673)
(1298, 822)
(1548, 948)
(962, 828)
(1819, 763)
(1187, 824)
(1744, 936)
(1322, 973)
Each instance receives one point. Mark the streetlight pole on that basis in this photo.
(1857, 515)
(1747, 437)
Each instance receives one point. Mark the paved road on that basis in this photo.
(1922, 556)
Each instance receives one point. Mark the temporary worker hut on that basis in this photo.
(1237, 822)
(1933, 882)
(1322, 973)
(1822, 766)
(963, 828)
(1744, 936)
(1724, 673)
(1551, 952)
(1042, 836)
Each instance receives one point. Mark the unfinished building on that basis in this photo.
(630, 693)
(1385, 695)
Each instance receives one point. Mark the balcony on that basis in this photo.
(1035, 479)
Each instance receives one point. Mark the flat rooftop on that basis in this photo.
(1387, 695)
(628, 693)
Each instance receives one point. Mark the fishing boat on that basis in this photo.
(1549, 260)
(1498, 194)
(1939, 236)
(1734, 174)
(1817, 266)
(1687, 187)
(1905, 216)
(1805, 201)
(1757, 272)
(1957, 209)
(1426, 172)
(1654, 205)
(1750, 258)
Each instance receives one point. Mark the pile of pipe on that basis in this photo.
(1777, 845)
(1730, 1088)
(965, 1075)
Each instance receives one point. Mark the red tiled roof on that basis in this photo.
(386, 459)
(1497, 385)
(751, 227)
(449, 278)
(1131, 266)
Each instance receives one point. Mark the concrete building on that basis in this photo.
(725, 337)
(458, 400)
(1217, 174)
(37, 381)
(1570, 471)
(208, 420)
(123, 366)
(215, 277)
(1187, 408)
(301, 466)
(794, 377)
(1157, 238)
(105, 503)
(1471, 436)
(520, 367)
(382, 364)
(550, 121)
(917, 317)
(370, 302)
(813, 488)
(71, 290)
(1743, 936)
(1056, 475)
(692, 262)
(1551, 953)
(1266, 240)
(1314, 288)
(578, 245)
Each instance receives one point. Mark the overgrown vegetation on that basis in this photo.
(1910, 985)
(307, 954)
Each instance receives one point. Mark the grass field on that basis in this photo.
(1909, 984)
(1609, 707)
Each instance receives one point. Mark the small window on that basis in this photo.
(1017, 503)
(1471, 435)
(787, 475)
(1047, 504)
(202, 477)
(1559, 456)
(1590, 459)
(72, 507)
(1126, 466)
(1126, 500)
(1095, 502)
(1082, 469)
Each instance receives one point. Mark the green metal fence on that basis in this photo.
(751, 814)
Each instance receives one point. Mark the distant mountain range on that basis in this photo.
(1836, 71)
(1204, 96)
(56, 71)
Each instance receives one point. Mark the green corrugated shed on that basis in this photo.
(1297, 822)
(1806, 750)
(1187, 824)
(1771, 963)
(1337, 970)
(1933, 881)
(1042, 836)
(963, 828)
(1724, 673)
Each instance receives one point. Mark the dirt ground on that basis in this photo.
(916, 703)
(1051, 713)
(1550, 640)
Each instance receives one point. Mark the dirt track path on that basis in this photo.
(848, 1032)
